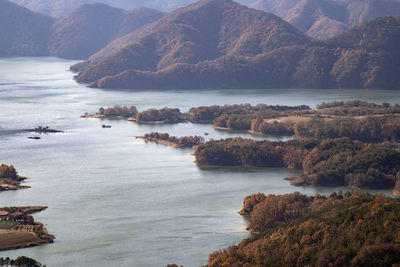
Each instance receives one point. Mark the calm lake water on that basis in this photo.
(117, 201)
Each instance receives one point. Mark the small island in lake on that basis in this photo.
(41, 129)
(18, 229)
(34, 137)
(173, 141)
(150, 116)
(9, 178)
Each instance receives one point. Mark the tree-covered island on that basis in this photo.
(9, 178)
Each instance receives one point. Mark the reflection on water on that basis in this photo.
(117, 201)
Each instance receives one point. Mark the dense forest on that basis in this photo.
(354, 229)
(184, 141)
(118, 111)
(356, 119)
(246, 111)
(328, 162)
(165, 115)
(20, 262)
(186, 37)
(8, 171)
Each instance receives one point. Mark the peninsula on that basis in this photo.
(18, 229)
(173, 141)
(354, 229)
(327, 162)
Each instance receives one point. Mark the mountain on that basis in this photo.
(58, 8)
(366, 56)
(23, 32)
(52, 8)
(202, 32)
(91, 27)
(323, 19)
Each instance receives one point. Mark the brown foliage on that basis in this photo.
(351, 230)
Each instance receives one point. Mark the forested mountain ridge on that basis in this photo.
(323, 19)
(91, 27)
(23, 32)
(75, 36)
(209, 44)
(365, 56)
(202, 32)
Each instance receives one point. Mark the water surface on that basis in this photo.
(117, 201)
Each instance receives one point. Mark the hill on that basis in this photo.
(323, 19)
(363, 57)
(23, 32)
(91, 27)
(354, 229)
(197, 34)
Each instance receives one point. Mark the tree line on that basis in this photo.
(354, 229)
(184, 141)
(328, 162)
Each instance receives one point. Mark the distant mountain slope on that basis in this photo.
(23, 32)
(366, 56)
(58, 8)
(204, 31)
(323, 19)
(54, 8)
(91, 27)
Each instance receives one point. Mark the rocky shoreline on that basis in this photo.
(18, 229)
(9, 185)
(9, 178)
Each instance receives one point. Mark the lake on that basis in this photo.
(117, 201)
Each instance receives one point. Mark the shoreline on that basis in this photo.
(19, 230)
(8, 184)
(160, 141)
